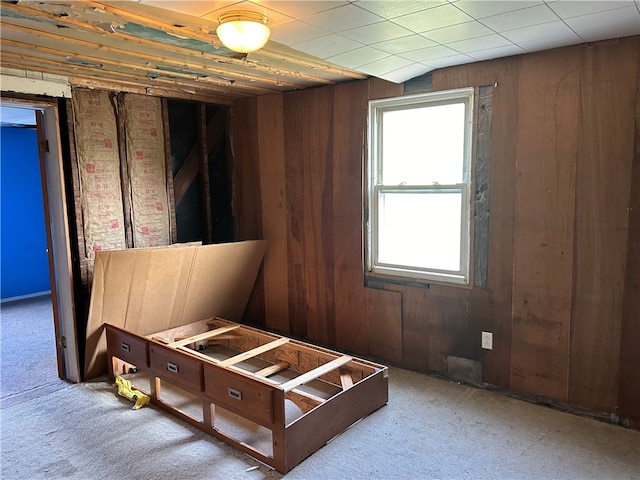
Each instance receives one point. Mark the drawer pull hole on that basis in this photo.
(233, 393)
(172, 367)
(125, 347)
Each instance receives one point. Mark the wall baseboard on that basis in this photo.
(24, 297)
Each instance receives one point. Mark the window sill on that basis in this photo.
(378, 282)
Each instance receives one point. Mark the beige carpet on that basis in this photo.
(431, 428)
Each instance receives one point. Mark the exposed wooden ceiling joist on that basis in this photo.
(104, 42)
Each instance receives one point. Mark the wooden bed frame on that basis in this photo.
(274, 398)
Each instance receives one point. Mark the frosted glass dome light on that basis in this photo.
(243, 32)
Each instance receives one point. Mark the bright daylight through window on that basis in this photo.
(418, 186)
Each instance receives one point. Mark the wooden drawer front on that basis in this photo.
(176, 367)
(128, 347)
(238, 393)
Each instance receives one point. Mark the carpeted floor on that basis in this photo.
(27, 344)
(431, 428)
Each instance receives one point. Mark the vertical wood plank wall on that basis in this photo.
(561, 294)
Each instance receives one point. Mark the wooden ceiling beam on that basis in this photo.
(209, 37)
(235, 65)
(8, 27)
(111, 80)
(98, 62)
(155, 91)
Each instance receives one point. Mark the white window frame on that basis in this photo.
(375, 188)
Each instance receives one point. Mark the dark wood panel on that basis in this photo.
(629, 374)
(350, 120)
(382, 89)
(449, 332)
(493, 312)
(247, 208)
(472, 75)
(548, 105)
(274, 210)
(490, 308)
(416, 308)
(351, 325)
(317, 159)
(384, 310)
(350, 296)
(603, 172)
(293, 109)
(246, 170)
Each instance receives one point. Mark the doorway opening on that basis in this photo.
(26, 327)
(38, 326)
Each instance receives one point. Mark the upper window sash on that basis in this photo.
(377, 108)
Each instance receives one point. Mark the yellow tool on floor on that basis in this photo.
(136, 396)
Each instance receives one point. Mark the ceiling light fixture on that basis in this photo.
(243, 32)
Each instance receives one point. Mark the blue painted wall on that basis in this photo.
(24, 265)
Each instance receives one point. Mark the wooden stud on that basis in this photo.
(171, 202)
(205, 191)
(125, 183)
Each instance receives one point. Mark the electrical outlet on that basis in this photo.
(487, 340)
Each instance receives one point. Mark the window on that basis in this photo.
(418, 186)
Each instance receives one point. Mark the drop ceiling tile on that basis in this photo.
(190, 7)
(458, 59)
(343, 18)
(384, 65)
(299, 9)
(406, 73)
(498, 52)
(558, 30)
(405, 44)
(479, 43)
(376, 32)
(610, 24)
(483, 9)
(457, 32)
(545, 43)
(357, 57)
(329, 46)
(391, 9)
(437, 17)
(425, 55)
(578, 8)
(520, 18)
(294, 32)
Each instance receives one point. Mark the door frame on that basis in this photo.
(57, 231)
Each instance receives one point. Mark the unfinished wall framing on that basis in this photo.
(127, 152)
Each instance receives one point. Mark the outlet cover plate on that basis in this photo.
(487, 340)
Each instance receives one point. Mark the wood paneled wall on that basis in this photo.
(563, 266)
